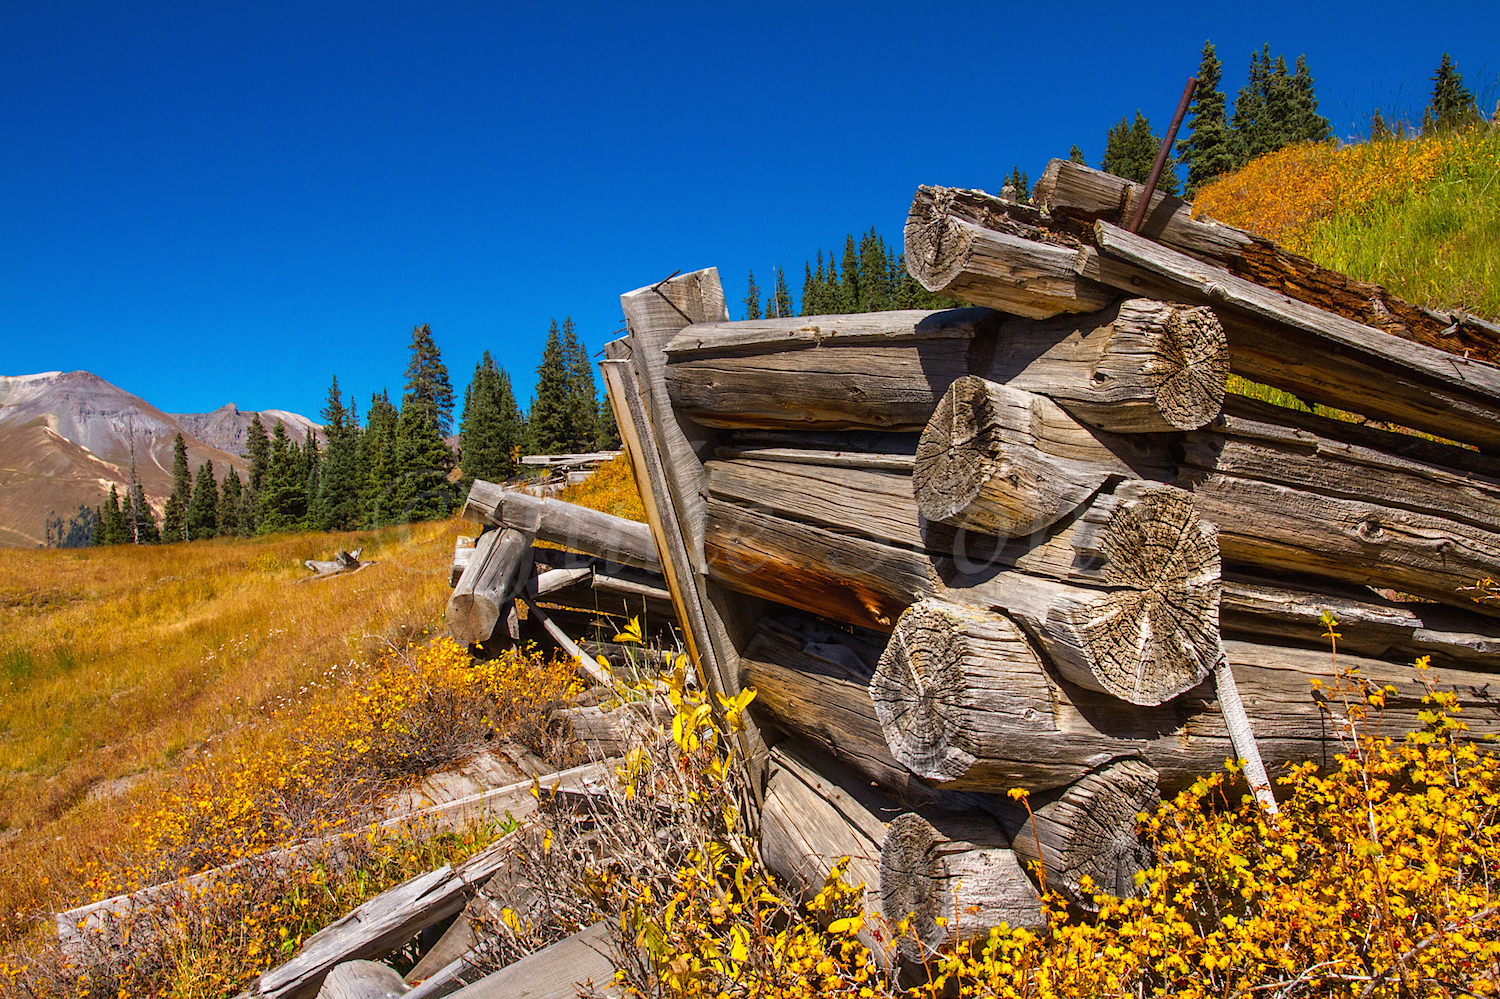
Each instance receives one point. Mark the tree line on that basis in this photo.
(394, 467)
(871, 278)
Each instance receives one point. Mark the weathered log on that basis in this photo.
(1251, 608)
(463, 550)
(1046, 733)
(965, 872)
(586, 663)
(362, 980)
(612, 538)
(584, 960)
(948, 254)
(1004, 461)
(555, 579)
(608, 733)
(884, 369)
(1305, 350)
(1078, 196)
(497, 571)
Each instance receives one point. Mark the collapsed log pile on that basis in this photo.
(1033, 543)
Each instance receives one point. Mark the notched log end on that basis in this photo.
(937, 244)
(956, 455)
(1188, 365)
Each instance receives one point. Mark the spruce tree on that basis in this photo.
(582, 415)
(1451, 105)
(1130, 151)
(231, 502)
(609, 429)
(1309, 126)
(1207, 152)
(548, 422)
(849, 293)
(875, 280)
(283, 498)
(258, 449)
(1019, 186)
(336, 505)
(1075, 155)
(427, 379)
(141, 518)
(783, 296)
(203, 510)
(1275, 108)
(488, 435)
(174, 517)
(378, 458)
(1379, 130)
(752, 299)
(809, 289)
(422, 491)
(312, 464)
(111, 522)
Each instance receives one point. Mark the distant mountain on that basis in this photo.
(66, 436)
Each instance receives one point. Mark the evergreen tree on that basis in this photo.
(141, 518)
(336, 505)
(582, 414)
(752, 299)
(1379, 130)
(258, 448)
(490, 433)
(174, 518)
(283, 499)
(875, 280)
(1275, 109)
(203, 509)
(1075, 155)
(111, 523)
(548, 422)
(1207, 152)
(809, 289)
(1130, 151)
(231, 502)
(423, 491)
(78, 531)
(1451, 105)
(427, 380)
(312, 464)
(1019, 186)
(1307, 124)
(783, 296)
(849, 292)
(378, 459)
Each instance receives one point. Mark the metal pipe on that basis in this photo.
(1161, 155)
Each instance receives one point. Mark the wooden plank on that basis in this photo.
(871, 329)
(586, 960)
(615, 539)
(463, 550)
(1078, 196)
(1313, 353)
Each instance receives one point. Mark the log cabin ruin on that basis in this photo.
(1029, 543)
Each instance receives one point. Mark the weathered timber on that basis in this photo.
(1252, 608)
(1090, 831)
(499, 568)
(577, 963)
(463, 550)
(555, 579)
(608, 733)
(612, 538)
(948, 254)
(1140, 366)
(1315, 354)
(1078, 196)
(362, 980)
(586, 663)
(866, 329)
(965, 872)
(1004, 461)
(383, 923)
(341, 562)
(818, 457)
(1042, 732)
(610, 583)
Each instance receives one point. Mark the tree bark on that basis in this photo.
(497, 571)
(948, 254)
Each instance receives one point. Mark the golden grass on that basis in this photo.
(128, 663)
(612, 489)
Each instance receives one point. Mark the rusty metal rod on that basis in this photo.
(1161, 154)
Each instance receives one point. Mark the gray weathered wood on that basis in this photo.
(1004, 461)
(555, 579)
(1313, 353)
(612, 538)
(1077, 196)
(497, 571)
(948, 254)
(965, 872)
(463, 550)
(1042, 733)
(362, 980)
(586, 664)
(457, 940)
(869, 329)
(587, 958)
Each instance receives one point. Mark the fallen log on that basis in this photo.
(1288, 344)
(1078, 196)
(1046, 733)
(611, 538)
(497, 571)
(965, 873)
(1023, 277)
(362, 980)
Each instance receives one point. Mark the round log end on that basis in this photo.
(1188, 366)
(924, 690)
(937, 245)
(958, 452)
(1155, 633)
(914, 881)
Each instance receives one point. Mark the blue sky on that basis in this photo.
(216, 202)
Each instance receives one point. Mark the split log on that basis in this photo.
(584, 960)
(1317, 355)
(880, 369)
(463, 550)
(614, 539)
(1382, 629)
(1078, 196)
(1047, 733)
(1006, 462)
(497, 571)
(966, 872)
(948, 254)
(362, 980)
(384, 923)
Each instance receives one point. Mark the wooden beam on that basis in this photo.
(615, 539)
(584, 961)
(497, 571)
